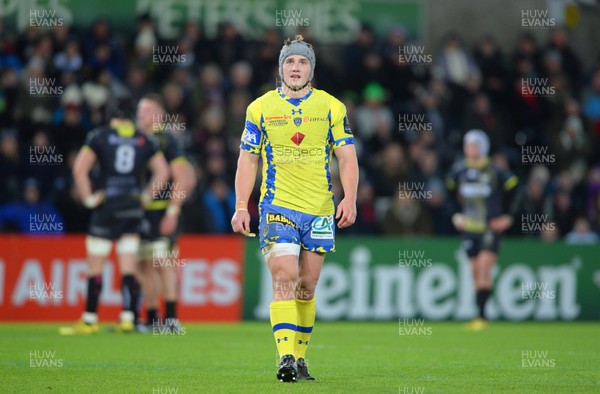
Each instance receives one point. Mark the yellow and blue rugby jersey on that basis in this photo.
(295, 138)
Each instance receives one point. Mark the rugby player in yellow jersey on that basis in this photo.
(295, 129)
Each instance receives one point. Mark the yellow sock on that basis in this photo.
(284, 321)
(306, 320)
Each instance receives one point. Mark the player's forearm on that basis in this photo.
(184, 180)
(81, 170)
(160, 175)
(245, 177)
(349, 176)
(83, 184)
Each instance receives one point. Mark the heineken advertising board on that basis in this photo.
(389, 278)
(329, 21)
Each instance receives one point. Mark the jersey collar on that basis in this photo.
(294, 101)
(125, 129)
(479, 165)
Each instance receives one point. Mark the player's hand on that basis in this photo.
(168, 224)
(145, 199)
(346, 210)
(241, 222)
(93, 200)
(458, 220)
(500, 224)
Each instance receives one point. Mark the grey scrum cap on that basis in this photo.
(297, 47)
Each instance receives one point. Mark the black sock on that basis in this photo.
(151, 316)
(130, 290)
(138, 303)
(482, 297)
(170, 307)
(93, 293)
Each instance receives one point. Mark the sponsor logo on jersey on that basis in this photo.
(297, 111)
(347, 128)
(251, 137)
(277, 123)
(282, 150)
(298, 137)
(279, 120)
(116, 140)
(279, 117)
(308, 119)
(322, 227)
(279, 218)
(473, 190)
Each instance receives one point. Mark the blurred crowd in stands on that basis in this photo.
(453, 88)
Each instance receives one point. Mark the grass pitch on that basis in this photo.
(345, 357)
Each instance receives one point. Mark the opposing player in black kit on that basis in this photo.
(485, 193)
(123, 154)
(158, 253)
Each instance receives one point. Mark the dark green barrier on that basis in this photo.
(389, 278)
(329, 21)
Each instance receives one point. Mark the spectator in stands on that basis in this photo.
(137, 82)
(10, 171)
(219, 201)
(41, 160)
(229, 46)
(209, 90)
(550, 232)
(480, 115)
(240, 79)
(527, 48)
(31, 215)
(494, 72)
(103, 50)
(69, 60)
(591, 104)
(581, 233)
(399, 73)
(562, 211)
(592, 197)
(571, 143)
(569, 62)
(373, 112)
(531, 201)
(366, 222)
(458, 69)
(9, 96)
(407, 216)
(356, 53)
(389, 168)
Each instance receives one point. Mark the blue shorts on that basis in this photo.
(283, 225)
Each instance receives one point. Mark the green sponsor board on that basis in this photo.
(328, 21)
(389, 278)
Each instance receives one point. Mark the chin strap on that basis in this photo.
(296, 89)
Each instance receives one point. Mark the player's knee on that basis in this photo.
(160, 248)
(304, 293)
(307, 284)
(128, 245)
(97, 246)
(145, 253)
(284, 278)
